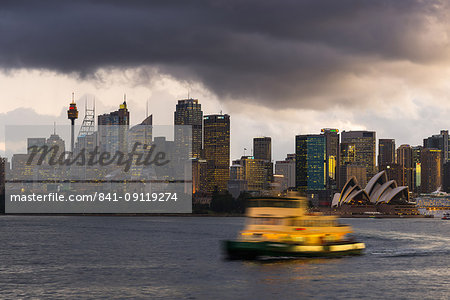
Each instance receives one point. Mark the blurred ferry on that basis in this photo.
(446, 216)
(281, 227)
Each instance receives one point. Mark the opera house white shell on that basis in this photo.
(378, 190)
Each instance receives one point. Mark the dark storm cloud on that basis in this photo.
(282, 52)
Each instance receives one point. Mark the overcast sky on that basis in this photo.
(279, 68)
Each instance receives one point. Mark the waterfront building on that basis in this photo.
(380, 189)
(364, 147)
(217, 151)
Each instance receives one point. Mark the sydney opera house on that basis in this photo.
(380, 195)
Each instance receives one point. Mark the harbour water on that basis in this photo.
(180, 258)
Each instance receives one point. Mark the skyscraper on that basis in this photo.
(262, 149)
(118, 117)
(386, 151)
(254, 172)
(217, 151)
(431, 178)
(405, 161)
(365, 143)
(189, 112)
(332, 158)
(439, 141)
(310, 161)
(112, 129)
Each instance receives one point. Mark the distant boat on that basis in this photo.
(446, 216)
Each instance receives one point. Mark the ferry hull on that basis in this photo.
(254, 250)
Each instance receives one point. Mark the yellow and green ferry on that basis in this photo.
(282, 227)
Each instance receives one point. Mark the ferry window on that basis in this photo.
(266, 221)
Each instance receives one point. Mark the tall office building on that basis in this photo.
(118, 117)
(112, 130)
(405, 161)
(254, 172)
(365, 151)
(431, 167)
(199, 168)
(262, 149)
(189, 112)
(439, 141)
(310, 161)
(287, 169)
(332, 158)
(217, 151)
(386, 151)
(140, 140)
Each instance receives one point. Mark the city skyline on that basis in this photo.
(248, 150)
(318, 65)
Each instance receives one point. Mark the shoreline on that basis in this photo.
(221, 215)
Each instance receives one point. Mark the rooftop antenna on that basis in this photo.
(124, 97)
(54, 128)
(146, 109)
